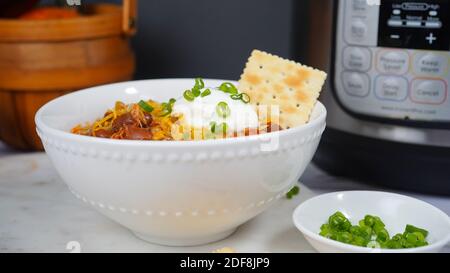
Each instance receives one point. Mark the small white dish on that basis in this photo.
(395, 210)
(172, 192)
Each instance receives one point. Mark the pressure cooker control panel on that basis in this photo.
(392, 59)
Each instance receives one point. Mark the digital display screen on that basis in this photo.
(415, 24)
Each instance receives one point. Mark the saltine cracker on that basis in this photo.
(273, 81)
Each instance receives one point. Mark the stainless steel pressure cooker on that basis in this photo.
(387, 93)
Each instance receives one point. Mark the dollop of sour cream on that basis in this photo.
(201, 112)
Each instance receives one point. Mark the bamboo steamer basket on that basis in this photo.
(43, 59)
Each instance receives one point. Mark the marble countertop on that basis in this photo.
(39, 214)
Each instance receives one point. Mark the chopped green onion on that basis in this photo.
(371, 232)
(373, 244)
(391, 244)
(213, 126)
(196, 91)
(228, 87)
(411, 229)
(145, 106)
(339, 222)
(356, 230)
(412, 238)
(165, 112)
(188, 95)
(236, 97)
(293, 192)
(167, 107)
(397, 237)
(420, 236)
(199, 84)
(369, 220)
(382, 236)
(245, 98)
(358, 241)
(378, 226)
(205, 93)
(223, 110)
(344, 237)
(325, 230)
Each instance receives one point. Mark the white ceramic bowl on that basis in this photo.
(394, 210)
(172, 193)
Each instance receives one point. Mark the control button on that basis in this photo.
(396, 12)
(433, 13)
(395, 23)
(429, 64)
(431, 38)
(391, 88)
(357, 58)
(393, 62)
(427, 91)
(413, 23)
(356, 84)
(358, 29)
(361, 22)
(359, 5)
(433, 24)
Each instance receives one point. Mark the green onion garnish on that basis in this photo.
(213, 126)
(196, 91)
(219, 129)
(167, 107)
(236, 96)
(165, 112)
(223, 110)
(199, 84)
(245, 98)
(228, 87)
(145, 106)
(205, 93)
(339, 222)
(383, 235)
(371, 232)
(411, 229)
(293, 192)
(371, 244)
(188, 95)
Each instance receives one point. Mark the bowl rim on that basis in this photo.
(41, 126)
(351, 248)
